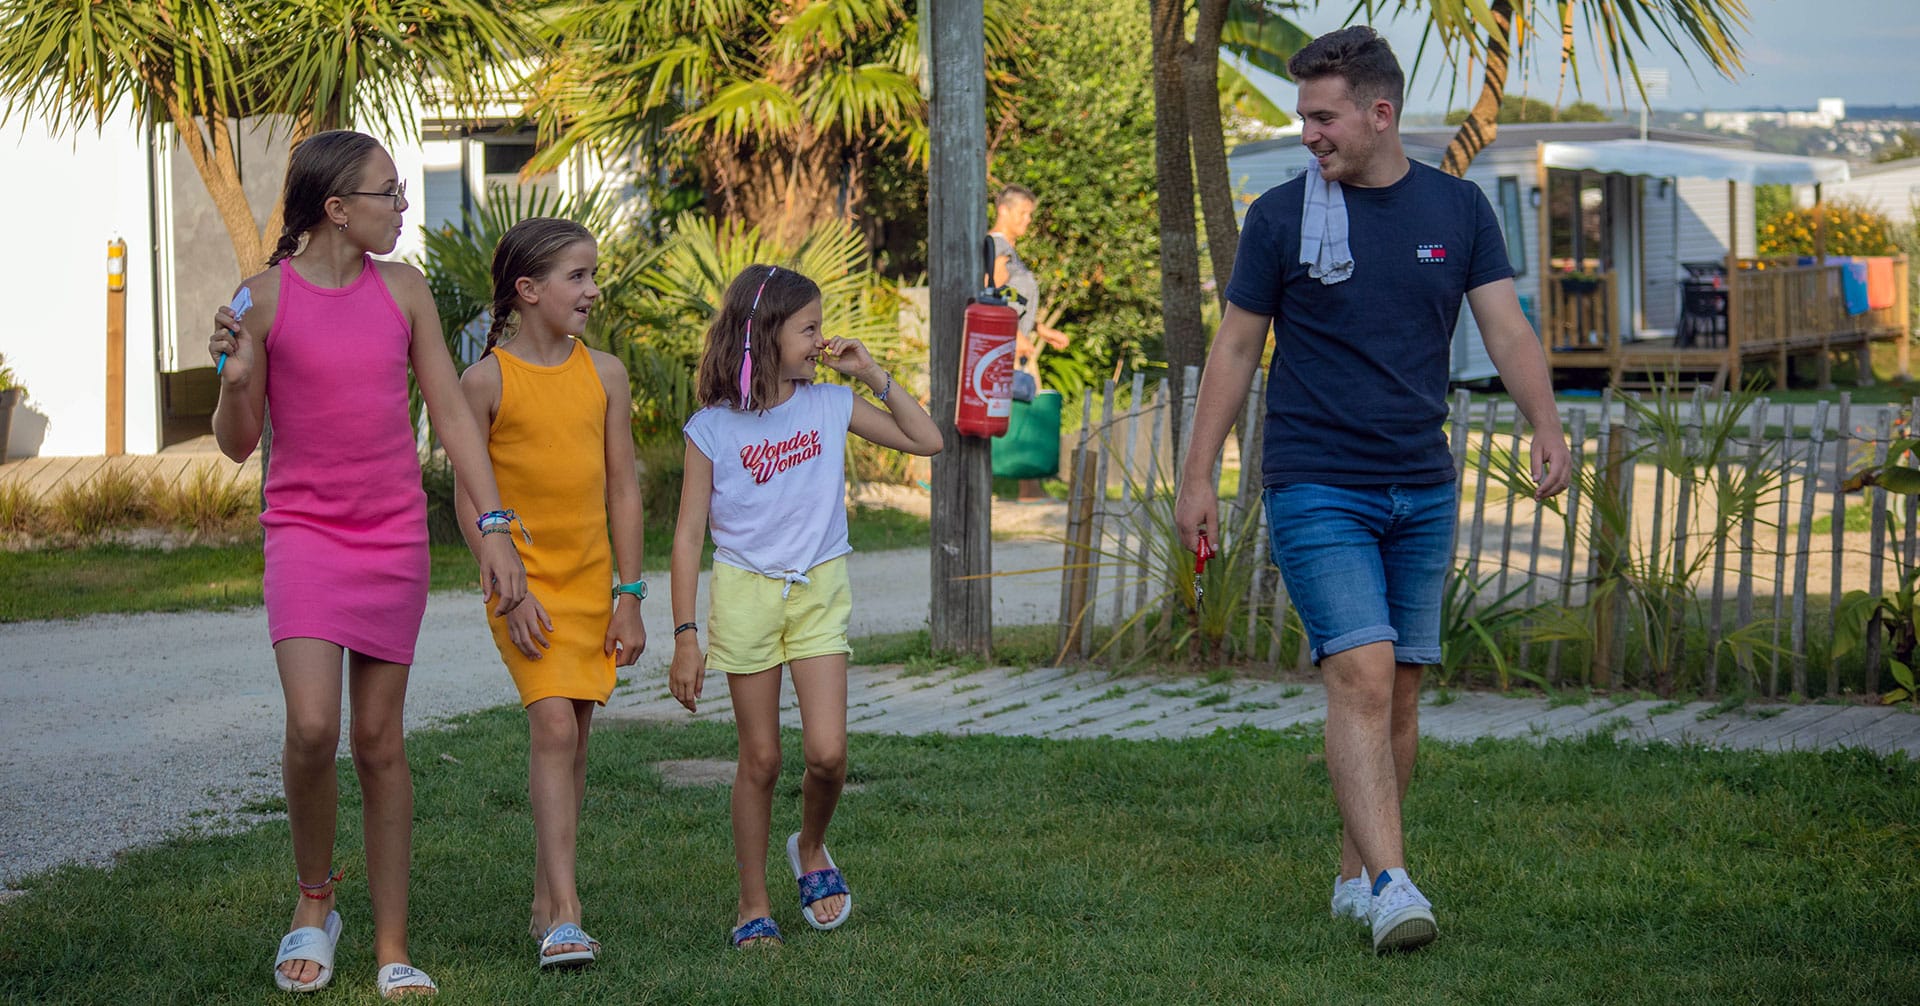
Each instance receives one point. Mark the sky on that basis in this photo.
(1794, 51)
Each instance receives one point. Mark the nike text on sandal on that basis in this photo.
(308, 943)
(396, 980)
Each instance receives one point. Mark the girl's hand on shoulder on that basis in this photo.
(848, 357)
(528, 625)
(501, 572)
(626, 634)
(689, 671)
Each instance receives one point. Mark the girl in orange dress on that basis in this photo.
(558, 431)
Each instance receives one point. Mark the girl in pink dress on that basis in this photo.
(328, 343)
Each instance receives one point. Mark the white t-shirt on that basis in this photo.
(779, 480)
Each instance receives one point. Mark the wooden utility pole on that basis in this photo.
(116, 347)
(962, 615)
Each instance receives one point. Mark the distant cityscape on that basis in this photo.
(1858, 133)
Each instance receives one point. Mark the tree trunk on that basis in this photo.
(785, 190)
(1200, 80)
(1483, 122)
(961, 618)
(1186, 341)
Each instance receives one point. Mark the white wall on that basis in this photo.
(1659, 221)
(1703, 220)
(1891, 190)
(67, 197)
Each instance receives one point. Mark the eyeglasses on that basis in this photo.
(398, 194)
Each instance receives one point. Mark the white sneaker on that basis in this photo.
(1352, 898)
(1402, 916)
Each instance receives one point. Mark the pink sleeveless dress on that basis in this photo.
(346, 519)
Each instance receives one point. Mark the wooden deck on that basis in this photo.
(44, 476)
(1776, 313)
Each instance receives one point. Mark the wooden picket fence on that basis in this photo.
(1763, 564)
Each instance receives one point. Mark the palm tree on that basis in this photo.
(201, 66)
(1187, 88)
(1494, 33)
(780, 107)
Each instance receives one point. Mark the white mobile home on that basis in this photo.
(131, 181)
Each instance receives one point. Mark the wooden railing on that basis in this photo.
(1763, 571)
(1787, 305)
(1580, 313)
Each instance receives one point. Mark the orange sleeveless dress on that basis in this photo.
(548, 444)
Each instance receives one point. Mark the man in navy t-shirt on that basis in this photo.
(1359, 266)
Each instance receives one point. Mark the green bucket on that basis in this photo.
(1030, 449)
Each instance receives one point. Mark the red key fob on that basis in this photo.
(1201, 554)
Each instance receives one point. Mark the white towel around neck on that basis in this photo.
(1323, 229)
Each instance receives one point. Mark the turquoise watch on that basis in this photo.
(637, 588)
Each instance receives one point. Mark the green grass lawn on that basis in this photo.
(70, 583)
(1025, 871)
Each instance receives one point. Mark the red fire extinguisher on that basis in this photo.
(986, 361)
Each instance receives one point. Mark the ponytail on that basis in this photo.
(289, 243)
(502, 320)
(528, 249)
(321, 167)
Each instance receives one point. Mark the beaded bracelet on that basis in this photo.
(882, 396)
(502, 521)
(307, 890)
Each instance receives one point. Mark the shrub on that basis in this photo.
(1852, 229)
(113, 498)
(205, 501)
(20, 510)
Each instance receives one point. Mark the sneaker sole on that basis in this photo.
(1409, 934)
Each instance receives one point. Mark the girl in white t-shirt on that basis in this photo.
(765, 471)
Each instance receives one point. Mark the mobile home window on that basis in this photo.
(1516, 230)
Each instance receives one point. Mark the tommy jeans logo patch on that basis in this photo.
(767, 459)
(1430, 253)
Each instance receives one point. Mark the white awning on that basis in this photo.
(1660, 159)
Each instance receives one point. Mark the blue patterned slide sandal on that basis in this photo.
(757, 929)
(561, 935)
(817, 885)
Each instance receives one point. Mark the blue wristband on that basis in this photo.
(637, 588)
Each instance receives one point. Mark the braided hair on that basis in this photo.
(528, 249)
(323, 166)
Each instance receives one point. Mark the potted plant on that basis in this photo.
(11, 391)
(1579, 284)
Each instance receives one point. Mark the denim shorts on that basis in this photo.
(1366, 564)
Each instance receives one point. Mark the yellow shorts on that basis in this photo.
(751, 627)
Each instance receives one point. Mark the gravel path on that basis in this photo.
(120, 730)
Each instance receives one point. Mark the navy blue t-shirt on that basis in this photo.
(1357, 389)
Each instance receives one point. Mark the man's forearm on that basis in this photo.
(1523, 369)
(1222, 393)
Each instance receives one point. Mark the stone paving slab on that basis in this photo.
(1059, 703)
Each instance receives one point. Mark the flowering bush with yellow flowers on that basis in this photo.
(1852, 229)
